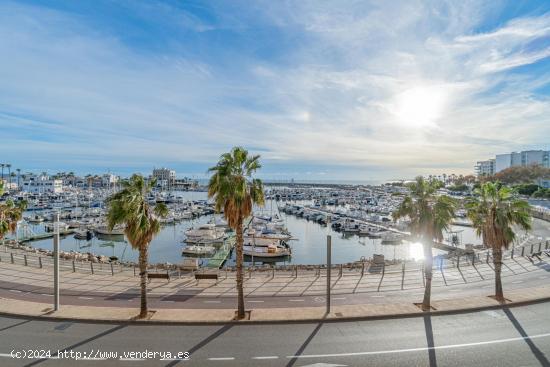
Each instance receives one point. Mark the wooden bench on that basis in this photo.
(199, 276)
(158, 276)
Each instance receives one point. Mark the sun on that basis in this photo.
(420, 106)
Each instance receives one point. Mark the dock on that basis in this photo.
(43, 236)
(223, 253)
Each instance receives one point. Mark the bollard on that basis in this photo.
(74, 269)
(341, 271)
(532, 248)
(440, 263)
(473, 259)
(363, 269)
(40, 262)
(295, 271)
(522, 251)
(458, 261)
(487, 259)
(134, 270)
(402, 275)
(112, 270)
(546, 247)
(92, 267)
(540, 246)
(11, 257)
(25, 258)
(512, 254)
(273, 271)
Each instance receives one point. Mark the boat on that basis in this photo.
(62, 226)
(205, 234)
(37, 219)
(198, 250)
(83, 234)
(391, 238)
(270, 251)
(104, 231)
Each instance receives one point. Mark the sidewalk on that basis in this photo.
(295, 314)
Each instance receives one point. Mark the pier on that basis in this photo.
(43, 236)
(223, 253)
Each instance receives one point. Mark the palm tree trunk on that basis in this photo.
(240, 291)
(143, 281)
(497, 262)
(428, 264)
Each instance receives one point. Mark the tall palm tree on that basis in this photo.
(130, 208)
(235, 192)
(494, 211)
(9, 176)
(10, 214)
(18, 178)
(430, 215)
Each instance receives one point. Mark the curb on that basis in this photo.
(46, 317)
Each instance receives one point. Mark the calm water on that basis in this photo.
(308, 248)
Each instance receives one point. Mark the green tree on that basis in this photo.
(130, 208)
(430, 215)
(494, 210)
(235, 192)
(10, 214)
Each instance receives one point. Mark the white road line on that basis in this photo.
(266, 357)
(85, 298)
(338, 297)
(255, 301)
(212, 301)
(167, 300)
(15, 290)
(48, 295)
(378, 296)
(454, 290)
(222, 359)
(517, 282)
(295, 300)
(451, 346)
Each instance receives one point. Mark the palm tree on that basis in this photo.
(494, 210)
(18, 177)
(10, 214)
(9, 176)
(131, 208)
(430, 215)
(235, 192)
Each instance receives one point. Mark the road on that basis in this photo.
(517, 336)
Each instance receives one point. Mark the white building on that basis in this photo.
(165, 177)
(42, 184)
(525, 158)
(485, 168)
(109, 180)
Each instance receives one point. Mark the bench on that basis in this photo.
(199, 276)
(158, 276)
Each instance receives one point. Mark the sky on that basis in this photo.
(322, 90)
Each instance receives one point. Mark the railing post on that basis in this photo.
(112, 270)
(11, 257)
(92, 267)
(273, 272)
(546, 247)
(74, 268)
(341, 273)
(487, 259)
(523, 251)
(362, 269)
(295, 271)
(512, 254)
(458, 261)
(40, 262)
(532, 248)
(402, 275)
(473, 259)
(134, 270)
(540, 246)
(423, 275)
(25, 258)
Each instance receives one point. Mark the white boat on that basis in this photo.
(205, 234)
(272, 250)
(104, 231)
(198, 250)
(50, 227)
(391, 238)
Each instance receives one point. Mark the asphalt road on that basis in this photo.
(517, 336)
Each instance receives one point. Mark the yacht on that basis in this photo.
(198, 250)
(270, 251)
(205, 234)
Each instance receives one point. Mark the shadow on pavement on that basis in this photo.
(203, 342)
(430, 340)
(536, 351)
(15, 325)
(304, 345)
(76, 345)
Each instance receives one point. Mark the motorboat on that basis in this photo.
(198, 250)
(205, 234)
(391, 238)
(271, 251)
(83, 234)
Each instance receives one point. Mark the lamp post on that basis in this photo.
(329, 265)
(56, 263)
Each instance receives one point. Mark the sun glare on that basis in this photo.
(416, 251)
(420, 106)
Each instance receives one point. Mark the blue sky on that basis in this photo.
(323, 90)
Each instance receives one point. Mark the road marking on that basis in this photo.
(338, 297)
(48, 295)
(167, 300)
(450, 346)
(295, 300)
(378, 296)
(212, 301)
(222, 359)
(15, 290)
(266, 357)
(517, 282)
(85, 298)
(255, 301)
(454, 290)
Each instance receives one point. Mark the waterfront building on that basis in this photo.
(514, 159)
(165, 177)
(485, 168)
(42, 184)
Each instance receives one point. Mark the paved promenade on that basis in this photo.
(279, 295)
